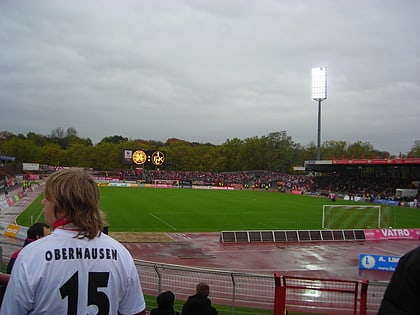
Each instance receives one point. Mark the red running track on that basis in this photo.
(332, 259)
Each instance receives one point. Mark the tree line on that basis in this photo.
(275, 151)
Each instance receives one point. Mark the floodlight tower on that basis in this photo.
(319, 93)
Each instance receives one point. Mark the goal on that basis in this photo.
(353, 217)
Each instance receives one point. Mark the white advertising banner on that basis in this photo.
(30, 166)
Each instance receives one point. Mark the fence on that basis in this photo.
(265, 294)
(226, 288)
(303, 294)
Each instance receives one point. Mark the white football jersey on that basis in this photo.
(60, 274)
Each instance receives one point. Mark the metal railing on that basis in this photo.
(257, 291)
(226, 288)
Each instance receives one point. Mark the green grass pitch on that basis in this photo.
(194, 210)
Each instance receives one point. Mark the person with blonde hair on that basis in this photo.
(76, 269)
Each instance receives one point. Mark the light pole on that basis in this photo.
(319, 93)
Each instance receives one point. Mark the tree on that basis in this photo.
(79, 155)
(216, 159)
(230, 150)
(37, 139)
(202, 157)
(23, 150)
(251, 155)
(284, 151)
(57, 136)
(53, 155)
(113, 139)
(71, 131)
(415, 150)
(307, 153)
(275, 151)
(361, 150)
(4, 135)
(106, 156)
(69, 140)
(57, 133)
(180, 154)
(334, 149)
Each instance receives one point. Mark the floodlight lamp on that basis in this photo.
(319, 83)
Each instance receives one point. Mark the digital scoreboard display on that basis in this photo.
(141, 157)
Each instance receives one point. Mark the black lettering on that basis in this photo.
(79, 253)
(71, 253)
(48, 255)
(87, 253)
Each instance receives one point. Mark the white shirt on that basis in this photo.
(60, 274)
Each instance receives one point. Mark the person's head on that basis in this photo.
(38, 230)
(203, 289)
(166, 300)
(73, 196)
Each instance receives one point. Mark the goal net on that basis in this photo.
(354, 217)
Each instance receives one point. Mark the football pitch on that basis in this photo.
(195, 210)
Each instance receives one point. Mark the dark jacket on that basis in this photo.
(15, 255)
(402, 295)
(198, 305)
(159, 311)
(165, 302)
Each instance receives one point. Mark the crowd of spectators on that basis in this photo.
(353, 185)
(368, 188)
(203, 178)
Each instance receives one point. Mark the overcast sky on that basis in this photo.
(208, 71)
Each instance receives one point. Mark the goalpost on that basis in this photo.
(353, 217)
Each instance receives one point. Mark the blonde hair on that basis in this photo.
(76, 195)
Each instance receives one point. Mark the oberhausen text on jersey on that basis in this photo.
(69, 253)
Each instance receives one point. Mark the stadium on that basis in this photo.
(270, 262)
(199, 124)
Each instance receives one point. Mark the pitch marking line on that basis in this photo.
(272, 227)
(39, 215)
(163, 221)
(393, 252)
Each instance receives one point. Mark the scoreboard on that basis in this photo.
(144, 157)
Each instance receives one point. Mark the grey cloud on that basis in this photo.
(208, 71)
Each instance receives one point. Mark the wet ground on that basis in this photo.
(339, 259)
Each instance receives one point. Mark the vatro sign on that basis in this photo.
(378, 262)
(392, 234)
